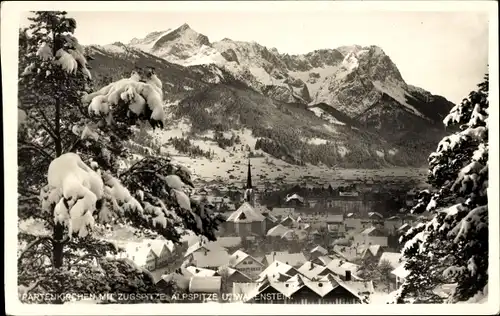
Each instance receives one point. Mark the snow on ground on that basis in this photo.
(379, 298)
(314, 85)
(206, 55)
(230, 164)
(393, 151)
(315, 141)
(380, 153)
(261, 75)
(326, 116)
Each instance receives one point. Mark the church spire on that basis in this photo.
(249, 176)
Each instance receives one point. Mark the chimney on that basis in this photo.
(311, 266)
(274, 257)
(348, 275)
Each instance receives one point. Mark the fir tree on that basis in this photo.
(71, 176)
(452, 248)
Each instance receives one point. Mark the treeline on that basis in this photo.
(224, 142)
(184, 146)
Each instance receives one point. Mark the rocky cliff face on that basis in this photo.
(352, 79)
(347, 107)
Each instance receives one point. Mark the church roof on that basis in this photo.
(246, 214)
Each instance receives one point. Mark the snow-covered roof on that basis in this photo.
(276, 267)
(282, 211)
(324, 259)
(211, 258)
(201, 272)
(244, 290)
(348, 266)
(245, 214)
(404, 227)
(349, 253)
(311, 270)
(289, 217)
(394, 258)
(334, 218)
(319, 249)
(210, 246)
(373, 231)
(237, 257)
(339, 267)
(205, 284)
(180, 280)
(228, 241)
(271, 217)
(277, 231)
(293, 259)
(294, 196)
(322, 287)
(361, 289)
(400, 271)
(375, 214)
(231, 271)
(295, 233)
(373, 249)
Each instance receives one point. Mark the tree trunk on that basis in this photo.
(57, 251)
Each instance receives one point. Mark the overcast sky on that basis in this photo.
(443, 52)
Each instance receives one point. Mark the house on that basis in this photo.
(181, 282)
(311, 270)
(246, 264)
(282, 212)
(205, 285)
(318, 251)
(322, 260)
(294, 200)
(288, 221)
(203, 246)
(403, 229)
(392, 223)
(400, 273)
(393, 258)
(353, 223)
(371, 236)
(277, 270)
(270, 220)
(370, 252)
(346, 252)
(277, 231)
(342, 269)
(209, 259)
(293, 259)
(295, 234)
(200, 272)
(150, 254)
(231, 276)
(300, 290)
(246, 221)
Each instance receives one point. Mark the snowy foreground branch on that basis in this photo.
(451, 249)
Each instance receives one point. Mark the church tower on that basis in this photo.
(249, 194)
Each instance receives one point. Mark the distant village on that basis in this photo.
(327, 250)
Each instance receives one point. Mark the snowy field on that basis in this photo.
(230, 165)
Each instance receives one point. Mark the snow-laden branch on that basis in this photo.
(31, 245)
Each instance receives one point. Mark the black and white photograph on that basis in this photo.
(250, 157)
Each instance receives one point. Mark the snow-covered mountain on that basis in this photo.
(347, 107)
(352, 79)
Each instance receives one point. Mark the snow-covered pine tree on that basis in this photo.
(80, 150)
(452, 247)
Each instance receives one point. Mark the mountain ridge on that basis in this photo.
(367, 123)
